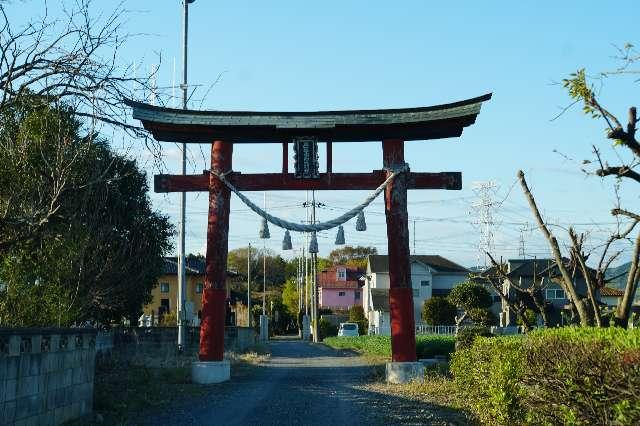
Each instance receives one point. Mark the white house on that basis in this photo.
(431, 275)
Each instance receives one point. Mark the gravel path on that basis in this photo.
(301, 384)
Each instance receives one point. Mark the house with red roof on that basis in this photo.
(340, 287)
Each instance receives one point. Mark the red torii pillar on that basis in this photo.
(403, 329)
(214, 292)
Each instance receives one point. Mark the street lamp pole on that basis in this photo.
(181, 238)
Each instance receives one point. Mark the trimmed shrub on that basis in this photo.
(483, 317)
(467, 334)
(571, 375)
(489, 374)
(326, 329)
(356, 315)
(583, 376)
(439, 311)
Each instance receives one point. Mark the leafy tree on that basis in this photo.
(356, 314)
(237, 261)
(483, 317)
(290, 296)
(352, 256)
(438, 311)
(90, 248)
(470, 296)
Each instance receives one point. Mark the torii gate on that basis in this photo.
(223, 129)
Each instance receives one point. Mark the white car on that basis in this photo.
(348, 329)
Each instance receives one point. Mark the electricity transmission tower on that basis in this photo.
(484, 208)
(521, 247)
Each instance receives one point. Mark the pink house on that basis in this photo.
(340, 287)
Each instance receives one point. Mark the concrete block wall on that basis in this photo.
(46, 375)
(131, 340)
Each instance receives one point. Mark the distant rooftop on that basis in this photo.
(380, 263)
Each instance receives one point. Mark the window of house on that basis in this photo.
(357, 295)
(342, 273)
(555, 294)
(416, 292)
(199, 287)
(425, 283)
(164, 287)
(341, 293)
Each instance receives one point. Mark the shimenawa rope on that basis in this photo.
(322, 226)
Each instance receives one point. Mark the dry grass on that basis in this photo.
(438, 392)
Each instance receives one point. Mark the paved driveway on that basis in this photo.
(301, 384)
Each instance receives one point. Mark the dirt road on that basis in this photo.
(301, 384)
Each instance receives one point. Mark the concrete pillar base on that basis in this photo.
(404, 372)
(207, 372)
(305, 327)
(264, 328)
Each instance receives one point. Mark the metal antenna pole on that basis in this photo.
(249, 286)
(181, 246)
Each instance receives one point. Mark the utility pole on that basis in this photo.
(306, 262)
(181, 245)
(414, 237)
(249, 286)
(264, 268)
(314, 258)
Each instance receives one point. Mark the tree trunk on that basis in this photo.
(623, 310)
(566, 283)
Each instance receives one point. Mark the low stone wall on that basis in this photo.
(46, 375)
(138, 340)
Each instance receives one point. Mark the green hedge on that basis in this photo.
(554, 376)
(427, 346)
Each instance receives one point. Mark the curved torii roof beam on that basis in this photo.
(191, 126)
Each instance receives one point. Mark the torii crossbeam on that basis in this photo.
(223, 129)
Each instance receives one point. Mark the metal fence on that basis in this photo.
(436, 329)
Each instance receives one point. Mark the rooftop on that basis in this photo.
(380, 263)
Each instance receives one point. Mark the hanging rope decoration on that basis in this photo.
(286, 242)
(264, 230)
(340, 236)
(361, 225)
(322, 226)
(313, 244)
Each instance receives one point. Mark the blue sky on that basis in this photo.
(292, 55)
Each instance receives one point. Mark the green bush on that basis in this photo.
(591, 374)
(571, 375)
(467, 334)
(356, 315)
(489, 374)
(326, 329)
(483, 317)
(439, 311)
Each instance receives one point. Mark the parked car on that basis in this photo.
(348, 329)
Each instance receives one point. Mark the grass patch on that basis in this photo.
(427, 346)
